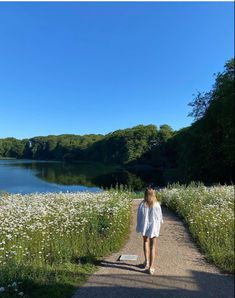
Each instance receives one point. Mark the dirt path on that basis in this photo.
(181, 271)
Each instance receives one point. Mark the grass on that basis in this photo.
(50, 243)
(137, 195)
(58, 280)
(209, 214)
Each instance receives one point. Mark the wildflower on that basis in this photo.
(14, 284)
(2, 289)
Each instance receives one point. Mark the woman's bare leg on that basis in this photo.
(153, 242)
(146, 248)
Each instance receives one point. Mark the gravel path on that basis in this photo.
(181, 271)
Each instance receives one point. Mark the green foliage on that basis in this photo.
(205, 150)
(62, 147)
(123, 146)
(11, 147)
(200, 105)
(165, 133)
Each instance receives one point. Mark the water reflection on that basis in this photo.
(85, 174)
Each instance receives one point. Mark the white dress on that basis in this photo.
(149, 220)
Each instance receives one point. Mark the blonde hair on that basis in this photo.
(150, 197)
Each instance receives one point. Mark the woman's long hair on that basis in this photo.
(150, 197)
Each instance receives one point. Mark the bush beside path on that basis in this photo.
(181, 270)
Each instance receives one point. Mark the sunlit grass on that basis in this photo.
(209, 214)
(50, 242)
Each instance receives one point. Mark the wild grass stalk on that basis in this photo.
(209, 214)
(50, 242)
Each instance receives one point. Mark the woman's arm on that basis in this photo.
(159, 209)
(139, 219)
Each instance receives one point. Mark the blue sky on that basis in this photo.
(96, 67)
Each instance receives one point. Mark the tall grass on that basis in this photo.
(209, 214)
(49, 242)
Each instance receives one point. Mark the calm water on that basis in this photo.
(26, 176)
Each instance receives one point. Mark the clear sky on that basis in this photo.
(96, 67)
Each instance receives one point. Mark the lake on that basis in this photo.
(27, 176)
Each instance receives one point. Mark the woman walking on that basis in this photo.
(149, 220)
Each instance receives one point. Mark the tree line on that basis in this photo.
(120, 147)
(205, 150)
(200, 152)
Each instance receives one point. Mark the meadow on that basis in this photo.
(209, 215)
(50, 242)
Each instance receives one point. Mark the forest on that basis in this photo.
(201, 152)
